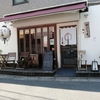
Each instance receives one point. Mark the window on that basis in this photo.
(15, 2)
(38, 39)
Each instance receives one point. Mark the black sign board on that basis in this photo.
(48, 61)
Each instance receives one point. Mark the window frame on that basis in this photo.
(35, 39)
(25, 1)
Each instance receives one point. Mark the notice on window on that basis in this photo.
(51, 41)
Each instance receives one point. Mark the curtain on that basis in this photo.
(68, 36)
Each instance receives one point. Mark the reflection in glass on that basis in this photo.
(51, 37)
(51, 32)
(33, 40)
(45, 43)
(27, 39)
(38, 36)
(21, 37)
(18, 1)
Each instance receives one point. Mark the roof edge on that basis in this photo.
(84, 1)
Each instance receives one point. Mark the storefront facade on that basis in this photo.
(36, 34)
(45, 36)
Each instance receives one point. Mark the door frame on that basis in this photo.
(58, 38)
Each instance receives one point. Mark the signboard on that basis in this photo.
(87, 30)
(48, 61)
(95, 66)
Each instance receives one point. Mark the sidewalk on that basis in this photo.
(49, 88)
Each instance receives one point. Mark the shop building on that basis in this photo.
(63, 26)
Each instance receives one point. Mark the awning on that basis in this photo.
(37, 13)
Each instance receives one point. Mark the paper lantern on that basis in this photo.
(5, 33)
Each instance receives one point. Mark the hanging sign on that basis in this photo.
(68, 36)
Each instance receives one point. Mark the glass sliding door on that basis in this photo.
(27, 45)
(33, 43)
(45, 38)
(21, 41)
(52, 42)
(38, 41)
(51, 38)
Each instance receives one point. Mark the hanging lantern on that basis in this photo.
(5, 33)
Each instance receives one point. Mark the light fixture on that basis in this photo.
(5, 33)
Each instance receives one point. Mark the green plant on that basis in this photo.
(0, 51)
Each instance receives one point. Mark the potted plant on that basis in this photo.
(0, 51)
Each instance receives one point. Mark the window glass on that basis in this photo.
(51, 37)
(33, 41)
(19, 1)
(37, 39)
(27, 39)
(21, 38)
(45, 42)
(38, 36)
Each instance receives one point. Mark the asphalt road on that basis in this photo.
(48, 88)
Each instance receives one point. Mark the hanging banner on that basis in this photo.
(68, 36)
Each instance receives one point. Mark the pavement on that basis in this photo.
(14, 87)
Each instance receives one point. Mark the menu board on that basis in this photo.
(48, 61)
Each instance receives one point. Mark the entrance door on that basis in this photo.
(68, 47)
(69, 56)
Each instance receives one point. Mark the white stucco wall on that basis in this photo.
(91, 45)
(11, 45)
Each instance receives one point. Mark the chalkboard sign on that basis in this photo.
(48, 61)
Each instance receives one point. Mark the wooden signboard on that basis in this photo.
(48, 61)
(86, 30)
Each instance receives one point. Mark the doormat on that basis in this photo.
(66, 72)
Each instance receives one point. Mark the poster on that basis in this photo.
(51, 41)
